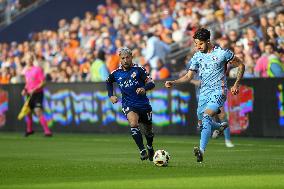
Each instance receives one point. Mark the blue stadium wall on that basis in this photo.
(46, 17)
(84, 107)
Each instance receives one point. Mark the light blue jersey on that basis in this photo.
(211, 68)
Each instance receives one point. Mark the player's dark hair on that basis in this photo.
(202, 34)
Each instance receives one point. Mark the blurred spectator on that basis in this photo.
(76, 75)
(177, 35)
(275, 68)
(112, 62)
(5, 76)
(16, 76)
(99, 71)
(84, 71)
(263, 27)
(233, 38)
(162, 71)
(220, 16)
(138, 58)
(155, 49)
(271, 19)
(264, 63)
(249, 72)
(167, 19)
(63, 77)
(135, 17)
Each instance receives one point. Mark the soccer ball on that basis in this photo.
(161, 158)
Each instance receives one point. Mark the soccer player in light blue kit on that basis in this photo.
(210, 61)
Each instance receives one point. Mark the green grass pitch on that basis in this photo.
(111, 161)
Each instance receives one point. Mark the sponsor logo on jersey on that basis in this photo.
(215, 58)
(133, 75)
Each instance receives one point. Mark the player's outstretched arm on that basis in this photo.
(241, 69)
(186, 78)
(109, 86)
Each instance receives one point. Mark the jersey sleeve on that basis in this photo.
(193, 64)
(109, 84)
(144, 74)
(110, 78)
(229, 55)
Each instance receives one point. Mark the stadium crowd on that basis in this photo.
(85, 49)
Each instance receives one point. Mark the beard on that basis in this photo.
(126, 66)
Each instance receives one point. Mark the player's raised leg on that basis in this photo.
(136, 133)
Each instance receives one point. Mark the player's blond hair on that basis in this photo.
(124, 50)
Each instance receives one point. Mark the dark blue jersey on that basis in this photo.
(128, 81)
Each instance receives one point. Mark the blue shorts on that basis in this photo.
(145, 116)
(213, 101)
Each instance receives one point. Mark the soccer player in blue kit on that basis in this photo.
(210, 62)
(134, 81)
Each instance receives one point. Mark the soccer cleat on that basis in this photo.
(220, 131)
(143, 155)
(151, 153)
(28, 133)
(199, 155)
(229, 144)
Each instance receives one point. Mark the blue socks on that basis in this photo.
(215, 125)
(137, 136)
(205, 131)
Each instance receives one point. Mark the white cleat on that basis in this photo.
(229, 144)
(220, 131)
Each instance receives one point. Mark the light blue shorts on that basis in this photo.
(213, 101)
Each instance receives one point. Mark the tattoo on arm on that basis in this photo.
(240, 72)
(236, 62)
